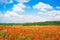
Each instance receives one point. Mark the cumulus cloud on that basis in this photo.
(8, 13)
(32, 18)
(42, 6)
(46, 8)
(12, 17)
(19, 7)
(53, 13)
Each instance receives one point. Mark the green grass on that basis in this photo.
(32, 24)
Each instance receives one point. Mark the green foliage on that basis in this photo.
(32, 24)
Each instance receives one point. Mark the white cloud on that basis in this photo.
(12, 17)
(48, 10)
(42, 6)
(40, 12)
(1, 15)
(32, 18)
(8, 13)
(22, 1)
(19, 7)
(52, 13)
(57, 17)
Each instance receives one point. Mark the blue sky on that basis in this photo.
(21, 11)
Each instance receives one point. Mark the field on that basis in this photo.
(30, 32)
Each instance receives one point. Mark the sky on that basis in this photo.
(22, 11)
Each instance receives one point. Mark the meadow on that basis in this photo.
(30, 31)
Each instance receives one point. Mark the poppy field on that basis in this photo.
(30, 33)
